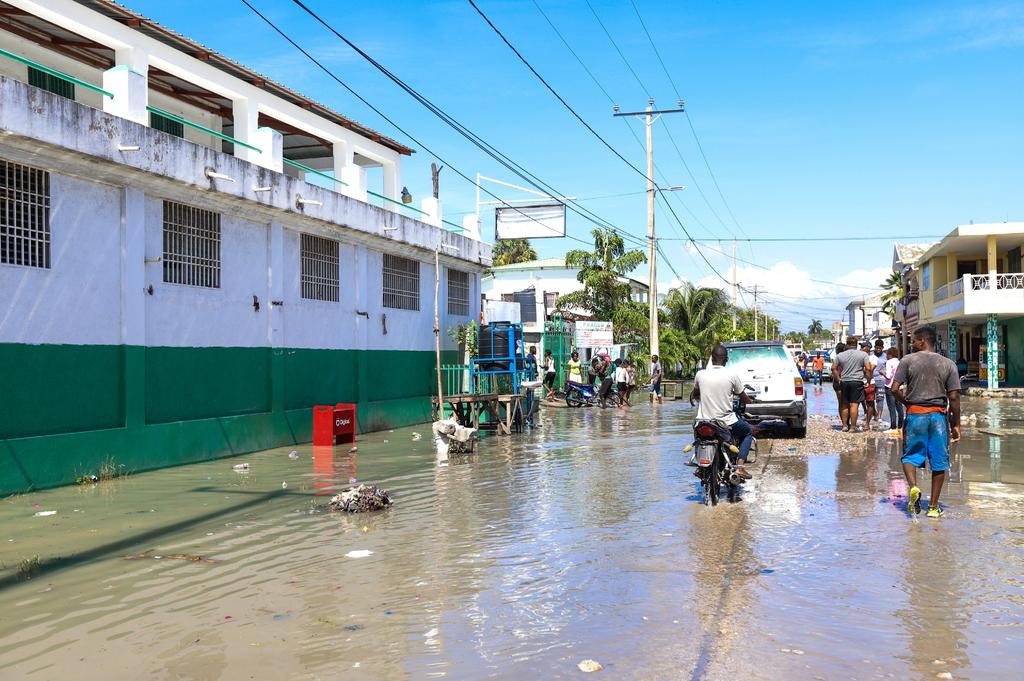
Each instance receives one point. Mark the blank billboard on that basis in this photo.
(529, 222)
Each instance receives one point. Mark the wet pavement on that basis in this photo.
(585, 539)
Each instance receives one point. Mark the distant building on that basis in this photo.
(867, 318)
(970, 286)
(536, 286)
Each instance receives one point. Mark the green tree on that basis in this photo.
(604, 293)
(815, 328)
(512, 251)
(893, 286)
(702, 316)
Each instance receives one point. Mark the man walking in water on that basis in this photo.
(656, 375)
(929, 385)
(850, 368)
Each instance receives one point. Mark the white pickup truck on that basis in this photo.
(767, 367)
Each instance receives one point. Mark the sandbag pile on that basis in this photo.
(360, 499)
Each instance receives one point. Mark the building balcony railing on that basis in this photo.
(993, 293)
(941, 293)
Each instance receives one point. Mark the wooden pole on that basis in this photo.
(437, 329)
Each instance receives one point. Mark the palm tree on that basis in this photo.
(893, 286)
(815, 328)
(601, 271)
(512, 251)
(700, 314)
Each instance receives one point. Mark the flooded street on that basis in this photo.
(584, 539)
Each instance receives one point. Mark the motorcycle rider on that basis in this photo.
(716, 388)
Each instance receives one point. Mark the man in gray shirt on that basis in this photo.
(850, 368)
(929, 384)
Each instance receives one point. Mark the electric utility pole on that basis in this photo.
(755, 311)
(734, 289)
(650, 116)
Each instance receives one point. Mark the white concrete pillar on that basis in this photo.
(471, 227)
(269, 143)
(993, 262)
(432, 208)
(133, 266)
(129, 83)
(346, 170)
(392, 185)
(275, 285)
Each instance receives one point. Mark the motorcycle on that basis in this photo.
(580, 395)
(713, 444)
(583, 395)
(714, 457)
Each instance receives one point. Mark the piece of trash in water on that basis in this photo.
(792, 449)
(361, 553)
(360, 499)
(365, 528)
(45, 513)
(293, 455)
(353, 627)
(590, 666)
(174, 556)
(387, 612)
(385, 441)
(944, 675)
(767, 571)
(416, 436)
(284, 485)
(795, 651)
(240, 467)
(354, 449)
(37, 505)
(228, 617)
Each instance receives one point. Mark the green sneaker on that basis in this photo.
(914, 506)
(935, 512)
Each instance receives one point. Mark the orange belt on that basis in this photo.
(924, 409)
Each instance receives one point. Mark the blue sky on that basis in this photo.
(818, 119)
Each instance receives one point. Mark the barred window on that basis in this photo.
(51, 83)
(191, 246)
(458, 292)
(401, 282)
(319, 268)
(165, 124)
(24, 215)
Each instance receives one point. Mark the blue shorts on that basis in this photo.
(927, 437)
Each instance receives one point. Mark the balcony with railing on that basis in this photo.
(993, 293)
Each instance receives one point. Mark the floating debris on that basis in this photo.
(353, 450)
(416, 437)
(590, 666)
(174, 556)
(360, 499)
(293, 455)
(361, 553)
(452, 438)
(284, 485)
(240, 467)
(45, 513)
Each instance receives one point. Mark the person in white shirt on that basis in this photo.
(716, 388)
(896, 412)
(621, 380)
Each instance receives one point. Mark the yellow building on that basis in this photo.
(970, 287)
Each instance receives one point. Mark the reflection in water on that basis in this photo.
(578, 539)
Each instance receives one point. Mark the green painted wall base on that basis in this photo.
(65, 410)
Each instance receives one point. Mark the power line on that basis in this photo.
(475, 139)
(580, 119)
(818, 281)
(402, 130)
(820, 238)
(616, 46)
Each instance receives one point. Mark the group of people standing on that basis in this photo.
(925, 383)
(862, 374)
(616, 381)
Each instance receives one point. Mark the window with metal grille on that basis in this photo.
(191, 246)
(458, 292)
(51, 83)
(24, 215)
(550, 300)
(165, 124)
(319, 268)
(401, 282)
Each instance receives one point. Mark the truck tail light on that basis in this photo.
(798, 386)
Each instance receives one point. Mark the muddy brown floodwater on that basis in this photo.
(584, 539)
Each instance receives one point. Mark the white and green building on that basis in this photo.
(173, 286)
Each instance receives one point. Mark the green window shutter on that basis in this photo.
(50, 83)
(165, 124)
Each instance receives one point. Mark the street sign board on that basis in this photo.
(593, 334)
(529, 222)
